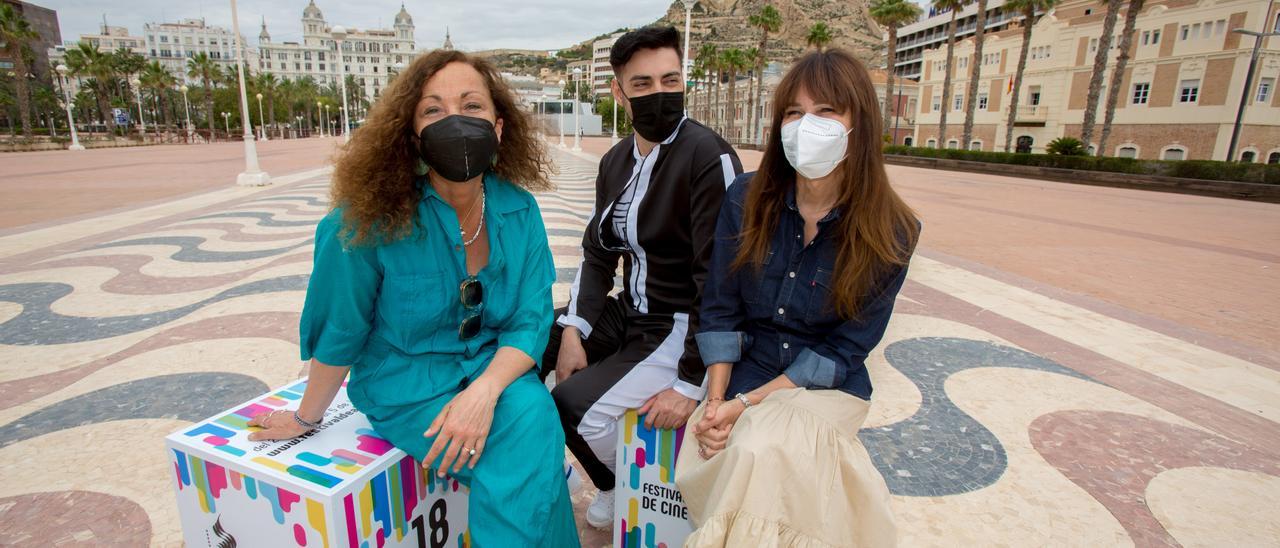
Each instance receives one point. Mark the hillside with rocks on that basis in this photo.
(724, 23)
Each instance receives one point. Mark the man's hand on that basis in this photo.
(667, 409)
(572, 356)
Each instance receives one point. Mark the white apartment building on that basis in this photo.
(369, 55)
(601, 70)
(173, 43)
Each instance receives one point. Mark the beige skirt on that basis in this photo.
(793, 474)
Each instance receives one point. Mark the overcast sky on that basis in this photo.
(474, 24)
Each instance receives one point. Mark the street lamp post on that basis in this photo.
(66, 97)
(137, 94)
(614, 139)
(320, 119)
(262, 126)
(577, 120)
(328, 121)
(226, 121)
(186, 111)
(297, 125)
(560, 115)
(339, 34)
(1248, 84)
(688, 15)
(252, 174)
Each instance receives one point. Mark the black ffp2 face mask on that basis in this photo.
(459, 148)
(656, 115)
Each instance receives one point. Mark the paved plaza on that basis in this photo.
(1067, 366)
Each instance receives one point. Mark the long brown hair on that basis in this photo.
(373, 175)
(876, 229)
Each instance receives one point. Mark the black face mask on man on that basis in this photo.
(656, 115)
(459, 148)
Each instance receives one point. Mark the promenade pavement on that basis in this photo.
(1068, 365)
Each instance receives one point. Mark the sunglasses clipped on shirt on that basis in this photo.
(472, 297)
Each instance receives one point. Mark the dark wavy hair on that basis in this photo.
(876, 230)
(374, 175)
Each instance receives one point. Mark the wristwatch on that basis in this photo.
(746, 402)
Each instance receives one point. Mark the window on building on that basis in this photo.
(164, 39)
(1264, 89)
(953, 144)
(1141, 92)
(319, 56)
(931, 143)
(1195, 31)
(1189, 91)
(982, 101)
(957, 102)
(306, 56)
(1146, 37)
(308, 67)
(936, 105)
(975, 145)
(1127, 152)
(1174, 153)
(1273, 158)
(321, 67)
(1248, 156)
(1155, 37)
(1093, 45)
(1219, 27)
(1182, 33)
(1033, 98)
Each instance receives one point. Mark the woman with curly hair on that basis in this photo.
(432, 287)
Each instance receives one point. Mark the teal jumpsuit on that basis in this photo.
(392, 312)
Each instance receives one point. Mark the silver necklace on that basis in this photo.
(479, 227)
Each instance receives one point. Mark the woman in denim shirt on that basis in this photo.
(810, 253)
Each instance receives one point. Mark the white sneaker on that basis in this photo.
(600, 513)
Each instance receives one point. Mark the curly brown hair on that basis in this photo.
(374, 174)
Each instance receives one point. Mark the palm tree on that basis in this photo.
(1099, 69)
(287, 91)
(1113, 93)
(696, 75)
(1028, 9)
(753, 59)
(819, 36)
(734, 60)
(100, 70)
(975, 71)
(768, 20)
(154, 77)
(709, 58)
(308, 92)
(127, 64)
(892, 14)
(268, 85)
(203, 67)
(15, 35)
(954, 6)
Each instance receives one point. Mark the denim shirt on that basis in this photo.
(780, 319)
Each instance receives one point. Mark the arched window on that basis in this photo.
(975, 145)
(953, 144)
(907, 141)
(1024, 144)
(1248, 156)
(1273, 158)
(932, 143)
(1127, 151)
(1173, 153)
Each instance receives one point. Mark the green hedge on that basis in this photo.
(1189, 169)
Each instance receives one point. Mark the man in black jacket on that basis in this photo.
(658, 197)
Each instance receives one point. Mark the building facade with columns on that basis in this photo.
(1178, 96)
(369, 55)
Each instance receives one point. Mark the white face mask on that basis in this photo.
(815, 145)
